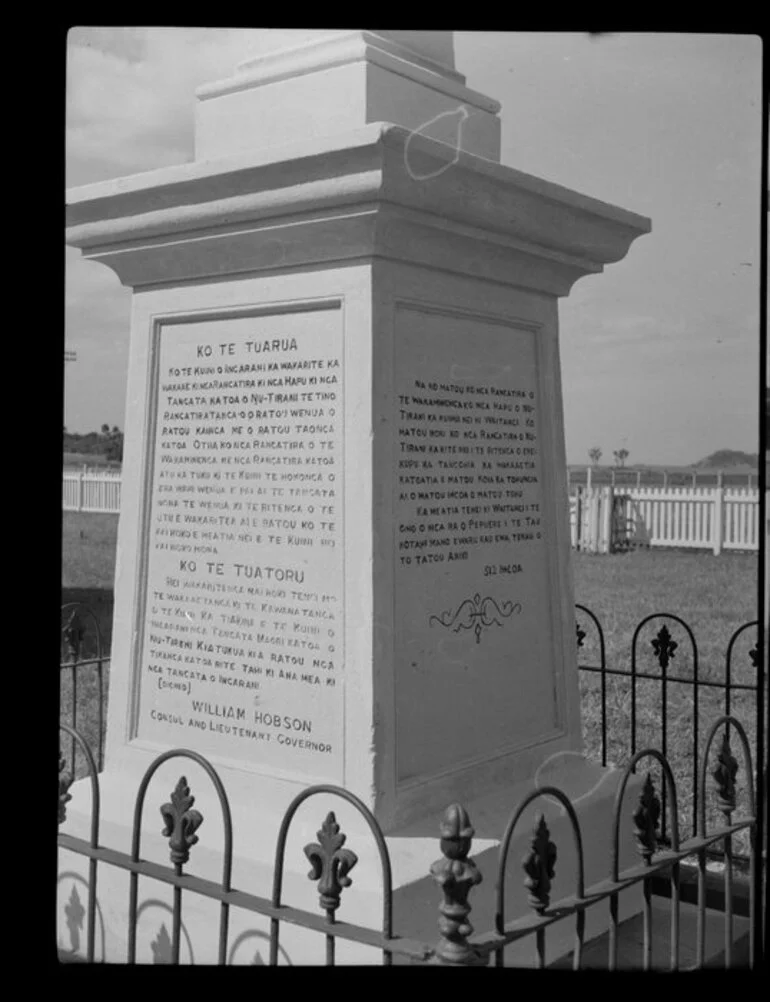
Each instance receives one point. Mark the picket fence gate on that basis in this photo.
(603, 520)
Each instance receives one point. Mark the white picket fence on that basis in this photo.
(704, 518)
(91, 490)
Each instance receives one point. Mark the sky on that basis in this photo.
(659, 354)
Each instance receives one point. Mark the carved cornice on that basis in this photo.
(499, 198)
(378, 192)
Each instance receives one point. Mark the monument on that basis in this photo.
(344, 547)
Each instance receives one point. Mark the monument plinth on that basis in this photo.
(344, 543)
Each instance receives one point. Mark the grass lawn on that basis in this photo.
(77, 460)
(714, 595)
(89, 543)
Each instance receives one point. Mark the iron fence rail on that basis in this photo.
(455, 872)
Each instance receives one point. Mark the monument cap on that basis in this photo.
(341, 81)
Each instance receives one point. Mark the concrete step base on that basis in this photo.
(631, 942)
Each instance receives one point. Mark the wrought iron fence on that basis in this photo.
(621, 730)
(625, 714)
(455, 872)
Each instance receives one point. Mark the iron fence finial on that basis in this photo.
(646, 817)
(73, 632)
(539, 865)
(65, 782)
(330, 863)
(723, 774)
(456, 875)
(181, 822)
(664, 646)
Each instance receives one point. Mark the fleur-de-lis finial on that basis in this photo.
(581, 634)
(664, 647)
(539, 865)
(73, 632)
(181, 822)
(330, 862)
(65, 782)
(724, 774)
(456, 875)
(646, 817)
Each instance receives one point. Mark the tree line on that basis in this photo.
(620, 456)
(107, 442)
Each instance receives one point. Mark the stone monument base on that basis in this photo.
(412, 849)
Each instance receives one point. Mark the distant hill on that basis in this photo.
(725, 458)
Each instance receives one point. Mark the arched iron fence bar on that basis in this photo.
(280, 849)
(253, 934)
(659, 757)
(93, 777)
(728, 665)
(663, 678)
(729, 686)
(227, 862)
(603, 672)
(727, 722)
(615, 863)
(544, 791)
(76, 607)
